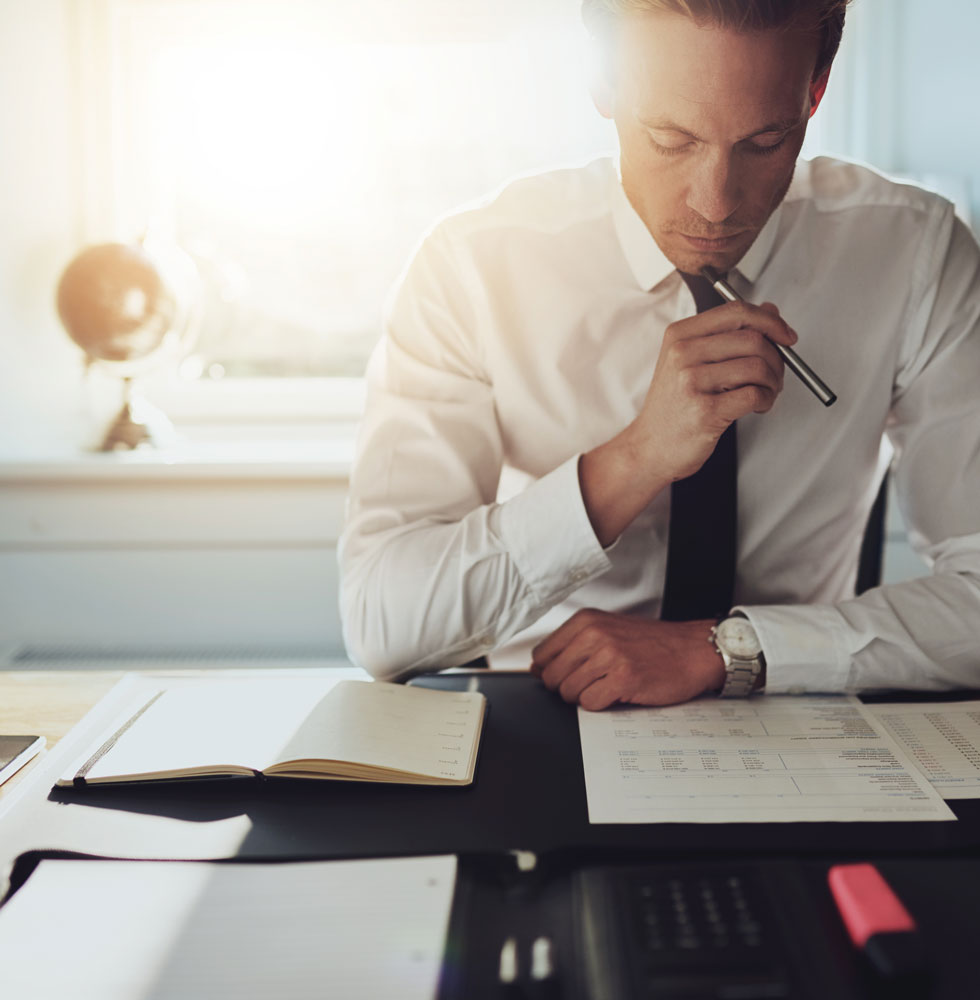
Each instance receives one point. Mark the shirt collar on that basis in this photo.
(645, 258)
(757, 255)
(647, 261)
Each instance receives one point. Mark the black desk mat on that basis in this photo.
(495, 901)
(529, 793)
(940, 893)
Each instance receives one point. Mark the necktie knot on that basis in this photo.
(705, 296)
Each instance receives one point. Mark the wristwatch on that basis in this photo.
(737, 644)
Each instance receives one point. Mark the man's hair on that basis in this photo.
(823, 17)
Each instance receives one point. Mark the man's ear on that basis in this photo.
(601, 89)
(818, 85)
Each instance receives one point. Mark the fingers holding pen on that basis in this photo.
(749, 355)
(799, 367)
(728, 348)
(713, 368)
(735, 316)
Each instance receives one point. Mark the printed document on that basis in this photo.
(942, 738)
(771, 759)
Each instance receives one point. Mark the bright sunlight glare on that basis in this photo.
(307, 149)
(302, 135)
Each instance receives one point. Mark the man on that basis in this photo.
(553, 335)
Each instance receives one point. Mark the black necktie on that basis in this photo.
(700, 577)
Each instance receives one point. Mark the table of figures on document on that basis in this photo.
(769, 759)
(942, 738)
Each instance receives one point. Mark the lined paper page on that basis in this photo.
(427, 732)
(135, 930)
(240, 722)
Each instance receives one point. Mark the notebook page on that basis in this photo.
(217, 722)
(135, 930)
(420, 730)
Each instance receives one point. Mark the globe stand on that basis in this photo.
(137, 423)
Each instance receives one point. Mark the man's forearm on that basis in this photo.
(712, 369)
(438, 593)
(617, 484)
(918, 635)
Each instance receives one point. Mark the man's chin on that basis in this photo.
(690, 258)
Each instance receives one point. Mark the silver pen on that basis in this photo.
(794, 362)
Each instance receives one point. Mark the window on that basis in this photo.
(298, 150)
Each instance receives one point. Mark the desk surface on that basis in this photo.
(48, 703)
(529, 794)
(528, 734)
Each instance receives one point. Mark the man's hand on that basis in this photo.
(713, 368)
(599, 659)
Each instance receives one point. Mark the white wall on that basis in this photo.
(919, 74)
(938, 87)
(40, 385)
(199, 555)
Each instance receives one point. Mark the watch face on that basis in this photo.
(737, 637)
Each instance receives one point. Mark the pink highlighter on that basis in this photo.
(877, 922)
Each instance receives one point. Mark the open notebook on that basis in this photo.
(349, 730)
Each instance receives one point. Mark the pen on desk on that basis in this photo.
(877, 922)
(507, 972)
(794, 362)
(544, 973)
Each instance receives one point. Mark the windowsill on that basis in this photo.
(234, 428)
(299, 452)
(258, 401)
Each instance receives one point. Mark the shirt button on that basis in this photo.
(578, 576)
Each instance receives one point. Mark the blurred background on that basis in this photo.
(290, 154)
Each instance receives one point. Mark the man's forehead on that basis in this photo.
(670, 65)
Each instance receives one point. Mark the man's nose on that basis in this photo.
(715, 191)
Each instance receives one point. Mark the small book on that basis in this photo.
(346, 730)
(16, 751)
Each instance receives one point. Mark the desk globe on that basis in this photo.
(117, 304)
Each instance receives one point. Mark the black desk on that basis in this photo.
(529, 795)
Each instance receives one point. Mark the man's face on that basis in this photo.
(710, 123)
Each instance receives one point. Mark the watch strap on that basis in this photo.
(741, 677)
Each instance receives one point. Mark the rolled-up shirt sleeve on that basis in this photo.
(435, 571)
(922, 633)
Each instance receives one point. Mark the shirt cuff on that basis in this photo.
(546, 530)
(804, 647)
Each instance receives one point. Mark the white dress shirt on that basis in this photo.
(525, 332)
